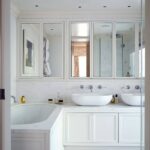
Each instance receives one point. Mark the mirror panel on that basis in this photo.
(30, 39)
(125, 50)
(80, 50)
(53, 50)
(102, 50)
(141, 52)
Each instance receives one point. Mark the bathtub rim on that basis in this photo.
(43, 125)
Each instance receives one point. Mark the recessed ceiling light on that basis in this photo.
(36, 5)
(79, 6)
(104, 6)
(129, 6)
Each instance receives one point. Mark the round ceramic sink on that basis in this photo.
(133, 99)
(91, 99)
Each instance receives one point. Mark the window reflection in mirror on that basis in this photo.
(102, 50)
(125, 49)
(30, 39)
(53, 50)
(80, 49)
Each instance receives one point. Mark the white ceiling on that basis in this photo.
(72, 5)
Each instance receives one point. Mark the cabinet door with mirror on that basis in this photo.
(41, 50)
(130, 56)
(80, 50)
(102, 50)
(29, 49)
(53, 50)
(125, 50)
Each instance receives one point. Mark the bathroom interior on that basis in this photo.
(77, 75)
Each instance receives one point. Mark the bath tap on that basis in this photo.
(14, 99)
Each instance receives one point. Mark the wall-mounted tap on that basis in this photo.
(126, 87)
(99, 87)
(90, 87)
(13, 99)
(137, 87)
(82, 87)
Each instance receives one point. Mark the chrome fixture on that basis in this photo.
(13, 98)
(137, 87)
(90, 87)
(99, 87)
(81, 86)
(126, 87)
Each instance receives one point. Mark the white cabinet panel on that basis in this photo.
(77, 127)
(105, 127)
(129, 128)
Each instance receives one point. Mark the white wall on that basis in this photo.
(13, 50)
(43, 90)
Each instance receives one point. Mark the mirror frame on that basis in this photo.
(20, 74)
(20, 58)
(63, 48)
(114, 61)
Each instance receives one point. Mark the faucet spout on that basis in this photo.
(90, 88)
(14, 99)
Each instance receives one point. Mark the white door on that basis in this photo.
(77, 127)
(129, 128)
(105, 126)
(5, 142)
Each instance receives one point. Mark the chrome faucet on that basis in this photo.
(137, 87)
(90, 87)
(82, 87)
(126, 87)
(14, 99)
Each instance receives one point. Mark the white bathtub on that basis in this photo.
(30, 113)
(33, 125)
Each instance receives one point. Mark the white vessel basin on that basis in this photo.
(133, 99)
(91, 99)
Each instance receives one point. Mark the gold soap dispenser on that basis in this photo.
(22, 100)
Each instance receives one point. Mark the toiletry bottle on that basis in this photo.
(116, 99)
(113, 99)
(59, 100)
(50, 100)
(22, 100)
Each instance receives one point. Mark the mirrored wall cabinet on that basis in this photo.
(29, 48)
(83, 49)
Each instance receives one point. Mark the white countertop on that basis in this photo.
(107, 108)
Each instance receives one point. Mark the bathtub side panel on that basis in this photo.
(29, 141)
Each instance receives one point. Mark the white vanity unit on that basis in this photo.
(115, 127)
